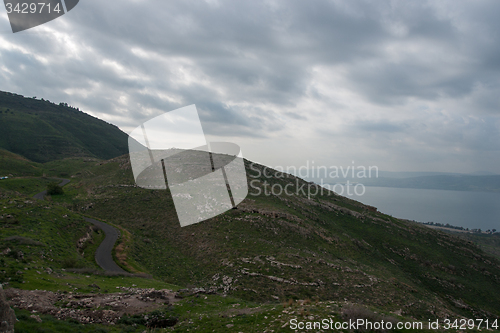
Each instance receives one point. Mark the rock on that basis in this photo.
(7, 315)
(37, 318)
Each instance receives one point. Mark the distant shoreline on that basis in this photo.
(457, 230)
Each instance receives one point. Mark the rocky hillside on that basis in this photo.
(305, 244)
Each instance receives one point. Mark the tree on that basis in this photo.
(54, 189)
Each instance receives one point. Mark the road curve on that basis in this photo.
(103, 255)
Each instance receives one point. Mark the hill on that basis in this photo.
(16, 165)
(43, 131)
(262, 263)
(298, 246)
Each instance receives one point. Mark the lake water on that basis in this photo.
(460, 208)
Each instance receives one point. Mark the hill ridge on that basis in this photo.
(43, 131)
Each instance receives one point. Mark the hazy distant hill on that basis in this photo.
(43, 131)
(421, 180)
(440, 182)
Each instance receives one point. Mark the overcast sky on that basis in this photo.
(403, 85)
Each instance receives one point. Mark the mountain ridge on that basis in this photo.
(43, 131)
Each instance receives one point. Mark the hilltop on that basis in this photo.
(43, 131)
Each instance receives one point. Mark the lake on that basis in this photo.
(460, 208)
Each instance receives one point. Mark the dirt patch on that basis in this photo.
(91, 308)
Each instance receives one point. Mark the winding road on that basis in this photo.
(103, 255)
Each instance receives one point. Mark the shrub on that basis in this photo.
(54, 189)
(70, 262)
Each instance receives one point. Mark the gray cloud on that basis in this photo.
(395, 78)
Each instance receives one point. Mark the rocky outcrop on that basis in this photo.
(7, 315)
(268, 213)
(80, 244)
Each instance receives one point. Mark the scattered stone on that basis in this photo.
(90, 307)
(36, 317)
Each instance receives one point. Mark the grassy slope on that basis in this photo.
(28, 178)
(43, 223)
(387, 266)
(16, 165)
(490, 243)
(43, 131)
(374, 260)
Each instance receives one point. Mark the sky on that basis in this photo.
(401, 85)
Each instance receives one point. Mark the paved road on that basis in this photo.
(103, 255)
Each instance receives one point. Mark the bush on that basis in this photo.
(54, 189)
(71, 262)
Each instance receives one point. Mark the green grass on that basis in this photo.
(26, 324)
(71, 166)
(65, 281)
(411, 264)
(489, 243)
(16, 165)
(55, 227)
(41, 238)
(26, 186)
(91, 246)
(321, 253)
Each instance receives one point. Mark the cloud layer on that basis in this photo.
(402, 85)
